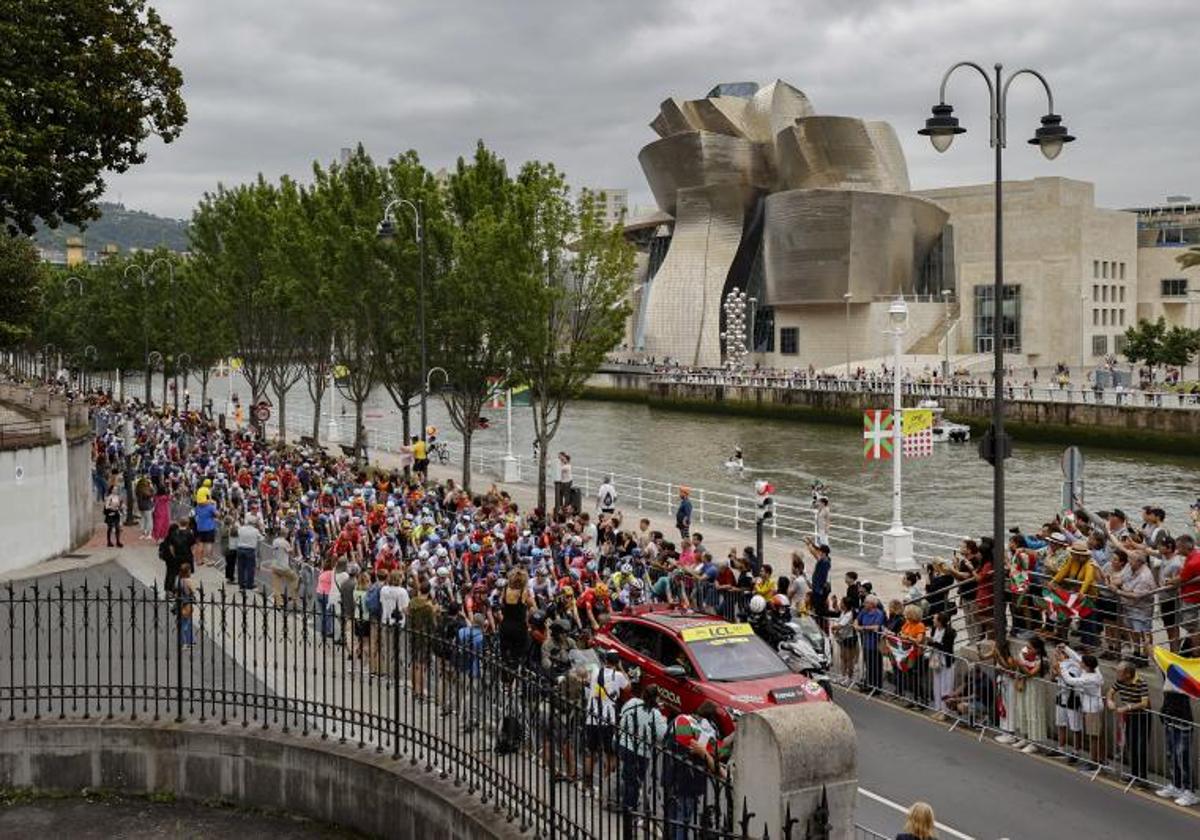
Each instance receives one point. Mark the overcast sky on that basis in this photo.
(272, 84)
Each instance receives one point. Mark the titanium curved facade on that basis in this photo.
(795, 208)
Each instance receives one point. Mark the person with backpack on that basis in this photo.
(606, 496)
(604, 694)
(373, 608)
(641, 726)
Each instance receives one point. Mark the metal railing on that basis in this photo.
(486, 719)
(1053, 393)
(1030, 710)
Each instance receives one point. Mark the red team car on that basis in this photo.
(693, 657)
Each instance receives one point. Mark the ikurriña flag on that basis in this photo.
(1180, 671)
(904, 652)
(1066, 604)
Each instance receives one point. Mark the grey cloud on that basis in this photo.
(271, 85)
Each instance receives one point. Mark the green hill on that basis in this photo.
(127, 229)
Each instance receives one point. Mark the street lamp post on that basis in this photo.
(174, 315)
(89, 352)
(179, 364)
(146, 282)
(946, 360)
(386, 231)
(846, 297)
(897, 540)
(1050, 137)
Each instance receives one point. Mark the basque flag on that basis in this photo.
(904, 653)
(1066, 605)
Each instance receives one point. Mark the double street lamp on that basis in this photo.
(941, 129)
(386, 231)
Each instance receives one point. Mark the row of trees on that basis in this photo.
(524, 282)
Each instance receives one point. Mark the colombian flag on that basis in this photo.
(1181, 672)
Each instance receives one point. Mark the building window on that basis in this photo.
(1099, 345)
(1095, 292)
(789, 340)
(1174, 287)
(1096, 268)
(1121, 315)
(1104, 293)
(1010, 328)
(1122, 294)
(1119, 342)
(1122, 271)
(1104, 269)
(1104, 317)
(1095, 317)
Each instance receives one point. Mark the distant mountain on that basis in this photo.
(127, 229)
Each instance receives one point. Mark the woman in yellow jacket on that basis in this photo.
(1079, 575)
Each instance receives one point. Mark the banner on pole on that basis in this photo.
(917, 430)
(878, 432)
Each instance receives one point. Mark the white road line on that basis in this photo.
(896, 806)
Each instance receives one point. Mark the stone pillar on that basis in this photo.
(795, 756)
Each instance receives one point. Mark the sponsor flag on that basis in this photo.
(904, 653)
(1066, 604)
(917, 428)
(1180, 671)
(877, 434)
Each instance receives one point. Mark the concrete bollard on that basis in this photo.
(795, 756)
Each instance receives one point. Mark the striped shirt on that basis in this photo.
(1133, 692)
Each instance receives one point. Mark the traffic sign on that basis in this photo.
(1072, 470)
(262, 412)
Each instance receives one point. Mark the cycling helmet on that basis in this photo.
(780, 602)
(602, 589)
(627, 568)
(757, 604)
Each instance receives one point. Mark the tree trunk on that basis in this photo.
(406, 426)
(541, 493)
(316, 420)
(358, 430)
(281, 398)
(466, 465)
(204, 374)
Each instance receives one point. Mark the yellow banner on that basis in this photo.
(917, 420)
(707, 632)
(235, 363)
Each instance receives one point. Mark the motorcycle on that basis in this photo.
(807, 652)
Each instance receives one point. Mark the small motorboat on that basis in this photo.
(945, 431)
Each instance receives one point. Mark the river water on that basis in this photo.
(949, 491)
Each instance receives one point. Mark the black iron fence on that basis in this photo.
(519, 737)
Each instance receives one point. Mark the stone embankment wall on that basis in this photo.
(1174, 431)
(47, 506)
(340, 785)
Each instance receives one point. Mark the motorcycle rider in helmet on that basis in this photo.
(766, 623)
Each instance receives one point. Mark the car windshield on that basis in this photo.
(728, 652)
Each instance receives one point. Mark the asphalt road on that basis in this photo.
(984, 791)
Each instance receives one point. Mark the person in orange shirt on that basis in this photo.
(911, 683)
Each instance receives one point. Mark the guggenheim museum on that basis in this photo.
(810, 219)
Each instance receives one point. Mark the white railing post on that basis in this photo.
(639, 486)
(736, 512)
(701, 505)
(862, 532)
(668, 498)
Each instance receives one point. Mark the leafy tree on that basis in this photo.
(398, 341)
(231, 253)
(1143, 341)
(1179, 345)
(22, 274)
(479, 300)
(86, 82)
(576, 301)
(348, 204)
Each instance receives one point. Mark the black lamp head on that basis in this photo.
(1051, 136)
(941, 127)
(386, 229)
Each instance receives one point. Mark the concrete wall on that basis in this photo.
(35, 514)
(81, 501)
(1156, 265)
(340, 785)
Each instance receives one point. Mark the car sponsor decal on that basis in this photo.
(708, 632)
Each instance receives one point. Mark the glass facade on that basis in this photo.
(1010, 328)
